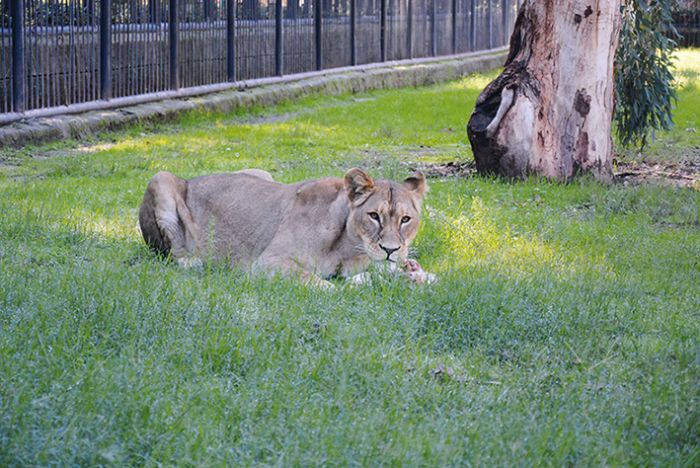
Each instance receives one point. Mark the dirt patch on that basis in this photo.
(450, 169)
(677, 174)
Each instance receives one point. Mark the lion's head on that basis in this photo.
(385, 214)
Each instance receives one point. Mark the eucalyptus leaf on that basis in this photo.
(644, 88)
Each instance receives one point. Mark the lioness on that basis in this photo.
(318, 228)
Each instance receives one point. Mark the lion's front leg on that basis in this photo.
(289, 267)
(317, 281)
(366, 276)
(408, 268)
(360, 279)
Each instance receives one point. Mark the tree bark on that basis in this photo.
(550, 111)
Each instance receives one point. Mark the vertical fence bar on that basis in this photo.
(153, 11)
(279, 45)
(489, 13)
(409, 29)
(230, 40)
(18, 78)
(472, 24)
(318, 33)
(90, 11)
(173, 39)
(504, 20)
(61, 79)
(454, 26)
(382, 30)
(353, 28)
(106, 49)
(433, 28)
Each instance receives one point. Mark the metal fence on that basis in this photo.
(65, 52)
(687, 22)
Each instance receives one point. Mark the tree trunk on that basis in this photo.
(550, 111)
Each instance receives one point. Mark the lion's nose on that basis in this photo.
(388, 250)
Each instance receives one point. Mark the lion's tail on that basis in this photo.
(165, 220)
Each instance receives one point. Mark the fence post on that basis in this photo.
(454, 26)
(433, 28)
(489, 13)
(353, 28)
(230, 40)
(409, 29)
(472, 24)
(279, 45)
(172, 30)
(318, 31)
(106, 49)
(382, 30)
(18, 83)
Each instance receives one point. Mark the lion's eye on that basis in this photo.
(374, 215)
(405, 219)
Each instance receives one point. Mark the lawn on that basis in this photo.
(564, 328)
(683, 142)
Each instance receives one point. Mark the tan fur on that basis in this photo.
(318, 228)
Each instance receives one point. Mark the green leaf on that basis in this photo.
(644, 83)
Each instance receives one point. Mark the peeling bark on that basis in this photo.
(550, 111)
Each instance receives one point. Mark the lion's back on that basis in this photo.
(238, 214)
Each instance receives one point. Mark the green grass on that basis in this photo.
(682, 142)
(564, 328)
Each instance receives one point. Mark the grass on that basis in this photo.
(563, 330)
(682, 143)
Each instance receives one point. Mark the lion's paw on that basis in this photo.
(189, 262)
(360, 279)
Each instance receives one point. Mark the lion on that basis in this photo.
(317, 229)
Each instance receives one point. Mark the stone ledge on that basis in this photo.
(397, 75)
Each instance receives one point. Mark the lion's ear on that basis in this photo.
(358, 184)
(417, 184)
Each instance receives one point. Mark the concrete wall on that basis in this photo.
(360, 79)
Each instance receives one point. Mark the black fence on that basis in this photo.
(687, 22)
(65, 52)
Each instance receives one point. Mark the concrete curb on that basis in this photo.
(330, 83)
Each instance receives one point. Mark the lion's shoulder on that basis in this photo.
(320, 192)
